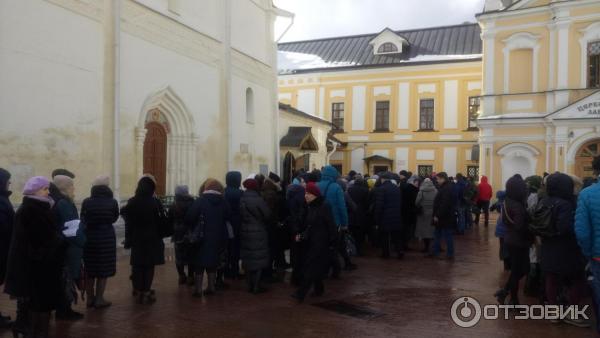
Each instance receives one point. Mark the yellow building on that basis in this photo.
(397, 99)
(540, 109)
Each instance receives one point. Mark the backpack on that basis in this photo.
(542, 223)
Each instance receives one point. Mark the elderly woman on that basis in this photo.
(98, 213)
(424, 204)
(7, 215)
(177, 213)
(35, 260)
(66, 212)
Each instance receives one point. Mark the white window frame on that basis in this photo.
(590, 34)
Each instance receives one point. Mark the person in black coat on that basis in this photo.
(410, 190)
(35, 260)
(517, 238)
(233, 195)
(388, 215)
(561, 259)
(210, 212)
(177, 213)
(7, 215)
(99, 212)
(296, 206)
(359, 192)
(271, 193)
(143, 218)
(318, 240)
(254, 235)
(444, 216)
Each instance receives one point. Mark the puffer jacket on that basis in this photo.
(254, 233)
(334, 195)
(587, 221)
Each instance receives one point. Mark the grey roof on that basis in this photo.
(297, 137)
(428, 45)
(288, 108)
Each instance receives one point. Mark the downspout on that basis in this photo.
(117, 101)
(335, 145)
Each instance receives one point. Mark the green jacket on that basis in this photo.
(65, 211)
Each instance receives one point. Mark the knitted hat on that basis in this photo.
(313, 189)
(35, 184)
(251, 184)
(182, 190)
(442, 175)
(103, 180)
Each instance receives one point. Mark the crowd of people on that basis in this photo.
(258, 228)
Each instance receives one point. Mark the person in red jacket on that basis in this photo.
(483, 200)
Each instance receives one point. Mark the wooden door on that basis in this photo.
(585, 156)
(155, 155)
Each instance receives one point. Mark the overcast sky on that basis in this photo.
(326, 18)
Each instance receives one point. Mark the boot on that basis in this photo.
(100, 302)
(210, 289)
(89, 292)
(198, 279)
(256, 288)
(181, 272)
(501, 295)
(220, 283)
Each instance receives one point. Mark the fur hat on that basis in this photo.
(101, 180)
(63, 183)
(63, 172)
(313, 189)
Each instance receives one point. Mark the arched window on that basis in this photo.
(249, 105)
(387, 47)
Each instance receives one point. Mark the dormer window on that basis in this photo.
(387, 48)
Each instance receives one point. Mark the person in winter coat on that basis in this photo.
(501, 229)
(143, 219)
(484, 197)
(254, 235)
(177, 213)
(296, 206)
(561, 259)
(460, 189)
(211, 213)
(318, 240)
(7, 215)
(359, 192)
(99, 212)
(444, 215)
(271, 193)
(35, 260)
(233, 195)
(517, 238)
(334, 195)
(66, 211)
(587, 231)
(410, 189)
(424, 202)
(388, 216)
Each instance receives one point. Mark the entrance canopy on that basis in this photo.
(301, 138)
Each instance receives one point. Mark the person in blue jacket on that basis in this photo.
(587, 231)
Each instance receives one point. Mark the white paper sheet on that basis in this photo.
(71, 228)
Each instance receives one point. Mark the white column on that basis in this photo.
(403, 105)
(140, 137)
(563, 25)
(488, 103)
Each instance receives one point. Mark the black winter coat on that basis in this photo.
(388, 207)
(359, 193)
(215, 211)
(36, 256)
(561, 254)
(444, 207)
(318, 239)
(515, 215)
(7, 216)
(177, 213)
(409, 211)
(254, 234)
(142, 220)
(99, 212)
(233, 195)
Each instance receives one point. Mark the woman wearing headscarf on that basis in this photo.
(142, 216)
(424, 204)
(517, 238)
(254, 235)
(99, 212)
(210, 212)
(177, 213)
(35, 260)
(66, 213)
(7, 215)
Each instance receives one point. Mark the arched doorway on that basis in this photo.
(584, 158)
(155, 155)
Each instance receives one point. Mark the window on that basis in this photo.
(337, 116)
(473, 172)
(425, 170)
(387, 47)
(382, 116)
(426, 119)
(594, 64)
(380, 169)
(473, 111)
(249, 105)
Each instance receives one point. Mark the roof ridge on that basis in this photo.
(377, 33)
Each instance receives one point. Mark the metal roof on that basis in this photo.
(428, 45)
(299, 137)
(288, 108)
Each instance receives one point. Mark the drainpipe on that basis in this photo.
(335, 145)
(117, 100)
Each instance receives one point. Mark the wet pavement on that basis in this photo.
(383, 298)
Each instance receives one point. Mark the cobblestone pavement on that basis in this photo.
(383, 298)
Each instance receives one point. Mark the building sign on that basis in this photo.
(592, 108)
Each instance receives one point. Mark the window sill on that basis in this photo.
(426, 131)
(381, 131)
(472, 129)
(337, 131)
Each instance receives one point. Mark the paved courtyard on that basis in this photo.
(410, 298)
